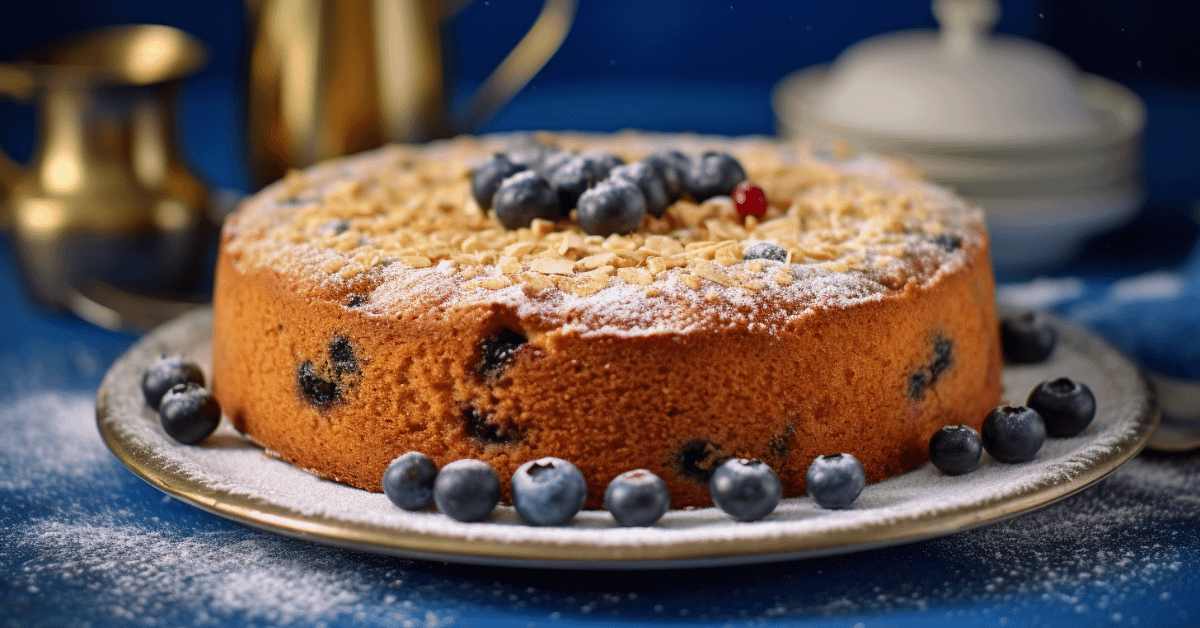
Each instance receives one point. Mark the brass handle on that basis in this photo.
(519, 67)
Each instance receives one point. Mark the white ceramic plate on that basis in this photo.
(228, 476)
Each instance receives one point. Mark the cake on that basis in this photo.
(368, 306)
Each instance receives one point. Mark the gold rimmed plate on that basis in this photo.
(229, 476)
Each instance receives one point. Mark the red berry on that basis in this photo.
(750, 200)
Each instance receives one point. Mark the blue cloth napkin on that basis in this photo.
(1155, 317)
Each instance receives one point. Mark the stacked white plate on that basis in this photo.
(1050, 153)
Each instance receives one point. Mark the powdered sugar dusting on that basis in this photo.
(400, 222)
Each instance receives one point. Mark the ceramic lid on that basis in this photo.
(960, 83)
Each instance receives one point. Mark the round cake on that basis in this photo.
(369, 306)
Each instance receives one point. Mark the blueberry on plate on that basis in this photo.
(649, 181)
(523, 197)
(613, 206)
(578, 174)
(488, 177)
(408, 481)
(835, 481)
(548, 491)
(955, 449)
(1067, 406)
(672, 166)
(713, 174)
(746, 490)
(765, 250)
(467, 490)
(637, 498)
(1027, 338)
(189, 413)
(164, 373)
(1013, 434)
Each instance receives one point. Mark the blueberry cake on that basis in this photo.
(373, 305)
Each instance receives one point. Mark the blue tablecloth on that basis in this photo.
(83, 542)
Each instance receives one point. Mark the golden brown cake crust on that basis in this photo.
(870, 360)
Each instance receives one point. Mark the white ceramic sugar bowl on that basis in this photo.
(1052, 154)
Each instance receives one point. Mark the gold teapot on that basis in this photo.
(330, 77)
(106, 219)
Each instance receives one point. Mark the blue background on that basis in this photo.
(84, 542)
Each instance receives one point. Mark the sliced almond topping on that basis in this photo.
(597, 260)
(712, 273)
(783, 278)
(549, 266)
(509, 265)
(690, 281)
(334, 265)
(494, 283)
(635, 276)
(655, 265)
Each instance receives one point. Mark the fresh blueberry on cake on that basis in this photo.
(523, 197)
(548, 491)
(613, 207)
(714, 173)
(581, 172)
(637, 498)
(487, 179)
(649, 181)
(189, 413)
(835, 481)
(1066, 405)
(672, 166)
(765, 250)
(1013, 434)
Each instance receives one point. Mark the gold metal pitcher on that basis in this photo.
(334, 77)
(106, 219)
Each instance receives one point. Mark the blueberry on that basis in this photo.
(955, 449)
(835, 481)
(408, 481)
(488, 177)
(637, 498)
(552, 161)
(1013, 434)
(672, 166)
(613, 206)
(1066, 406)
(523, 197)
(318, 391)
(746, 490)
(548, 491)
(649, 181)
(713, 174)
(531, 156)
(498, 352)
(467, 490)
(189, 413)
(1027, 338)
(164, 373)
(949, 242)
(577, 175)
(765, 250)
